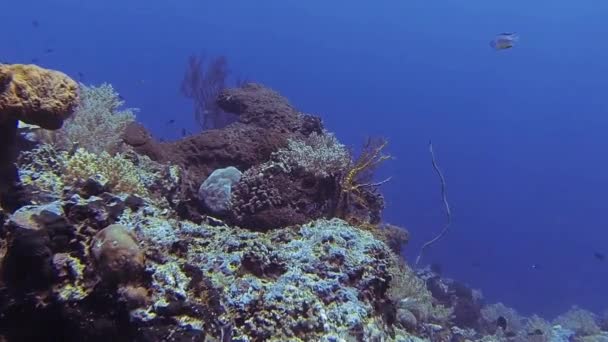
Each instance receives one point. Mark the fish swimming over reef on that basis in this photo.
(503, 41)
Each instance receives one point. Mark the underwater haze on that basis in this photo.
(520, 134)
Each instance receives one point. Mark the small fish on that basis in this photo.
(121, 97)
(535, 266)
(599, 256)
(35, 60)
(80, 76)
(501, 322)
(49, 50)
(503, 41)
(172, 121)
(183, 132)
(35, 23)
(536, 332)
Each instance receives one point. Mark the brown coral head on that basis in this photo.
(117, 255)
(136, 135)
(36, 96)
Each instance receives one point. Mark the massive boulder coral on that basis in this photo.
(269, 197)
(266, 121)
(117, 255)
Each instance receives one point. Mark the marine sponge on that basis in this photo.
(36, 96)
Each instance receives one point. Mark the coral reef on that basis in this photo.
(283, 182)
(169, 241)
(323, 280)
(266, 121)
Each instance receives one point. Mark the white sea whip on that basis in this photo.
(445, 203)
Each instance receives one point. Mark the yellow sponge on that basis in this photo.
(36, 96)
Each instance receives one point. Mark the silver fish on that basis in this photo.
(503, 41)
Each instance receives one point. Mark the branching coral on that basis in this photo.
(98, 123)
(120, 173)
(409, 294)
(490, 313)
(41, 167)
(319, 154)
(581, 321)
(50, 170)
(536, 330)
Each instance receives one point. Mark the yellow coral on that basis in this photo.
(36, 96)
(122, 175)
(358, 180)
(371, 157)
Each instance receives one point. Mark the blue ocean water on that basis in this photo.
(520, 134)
